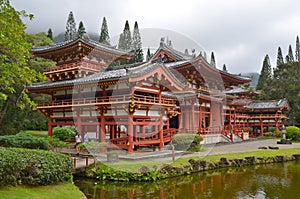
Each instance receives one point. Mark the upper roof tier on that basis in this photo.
(79, 48)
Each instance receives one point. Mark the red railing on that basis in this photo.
(109, 100)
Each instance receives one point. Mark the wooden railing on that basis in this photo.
(139, 99)
(71, 66)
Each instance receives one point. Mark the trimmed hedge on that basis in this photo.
(33, 167)
(186, 141)
(293, 132)
(65, 132)
(23, 140)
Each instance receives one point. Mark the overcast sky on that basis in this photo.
(239, 32)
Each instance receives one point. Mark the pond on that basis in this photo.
(262, 181)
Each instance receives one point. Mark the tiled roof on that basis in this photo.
(240, 90)
(71, 42)
(108, 75)
(268, 104)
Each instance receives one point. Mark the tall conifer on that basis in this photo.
(104, 36)
(50, 34)
(148, 55)
(297, 51)
(265, 74)
(290, 54)
(70, 32)
(138, 55)
(212, 60)
(81, 30)
(125, 38)
(279, 57)
(224, 68)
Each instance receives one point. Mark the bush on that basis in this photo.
(293, 132)
(64, 133)
(33, 167)
(23, 140)
(186, 141)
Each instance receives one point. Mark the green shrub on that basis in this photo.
(23, 140)
(293, 132)
(33, 167)
(64, 133)
(186, 141)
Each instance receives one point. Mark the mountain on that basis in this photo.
(254, 76)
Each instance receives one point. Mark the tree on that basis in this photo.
(104, 36)
(81, 30)
(224, 68)
(290, 55)
(279, 57)
(15, 71)
(212, 60)
(138, 55)
(265, 74)
(125, 42)
(148, 55)
(70, 32)
(297, 51)
(50, 34)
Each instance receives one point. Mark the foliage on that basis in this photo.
(279, 57)
(70, 32)
(55, 143)
(39, 39)
(64, 133)
(14, 56)
(138, 55)
(81, 30)
(297, 51)
(290, 55)
(23, 140)
(293, 132)
(213, 61)
(148, 55)
(265, 74)
(186, 141)
(50, 34)
(33, 167)
(125, 41)
(224, 68)
(104, 36)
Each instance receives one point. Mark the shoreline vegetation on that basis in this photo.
(150, 170)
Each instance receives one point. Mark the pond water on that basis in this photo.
(260, 182)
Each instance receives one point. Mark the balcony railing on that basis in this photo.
(116, 99)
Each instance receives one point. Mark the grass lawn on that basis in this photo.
(59, 191)
(133, 166)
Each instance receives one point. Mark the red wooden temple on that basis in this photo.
(145, 104)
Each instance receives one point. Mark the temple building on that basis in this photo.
(145, 104)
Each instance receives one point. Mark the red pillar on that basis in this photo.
(161, 136)
(103, 130)
(50, 127)
(130, 133)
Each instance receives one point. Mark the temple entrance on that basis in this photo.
(174, 122)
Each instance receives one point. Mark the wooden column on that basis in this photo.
(50, 127)
(79, 125)
(193, 116)
(161, 136)
(130, 133)
(103, 130)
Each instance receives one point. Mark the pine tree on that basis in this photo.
(290, 54)
(138, 55)
(297, 51)
(148, 55)
(186, 51)
(212, 60)
(81, 30)
(50, 34)
(104, 36)
(125, 38)
(279, 57)
(265, 74)
(224, 68)
(70, 32)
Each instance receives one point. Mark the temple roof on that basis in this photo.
(139, 70)
(92, 43)
(240, 90)
(279, 104)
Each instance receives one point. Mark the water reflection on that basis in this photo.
(259, 182)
